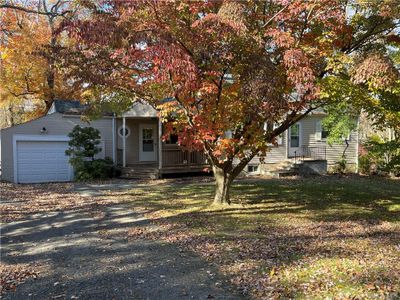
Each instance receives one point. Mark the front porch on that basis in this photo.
(141, 153)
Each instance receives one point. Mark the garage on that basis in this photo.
(41, 160)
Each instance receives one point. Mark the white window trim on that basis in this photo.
(127, 128)
(300, 135)
(252, 166)
(36, 138)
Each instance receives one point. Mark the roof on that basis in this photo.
(67, 107)
(72, 107)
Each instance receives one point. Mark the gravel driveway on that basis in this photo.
(87, 256)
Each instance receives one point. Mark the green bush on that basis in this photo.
(340, 166)
(364, 164)
(83, 146)
(95, 169)
(383, 156)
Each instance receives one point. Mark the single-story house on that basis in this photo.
(34, 152)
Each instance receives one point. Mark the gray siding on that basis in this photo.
(56, 124)
(333, 152)
(308, 135)
(275, 154)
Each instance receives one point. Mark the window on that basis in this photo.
(324, 133)
(121, 131)
(172, 139)
(295, 135)
(252, 168)
(321, 132)
(147, 140)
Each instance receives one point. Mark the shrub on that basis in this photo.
(340, 166)
(384, 156)
(364, 164)
(95, 169)
(83, 147)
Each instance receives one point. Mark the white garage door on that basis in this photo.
(42, 161)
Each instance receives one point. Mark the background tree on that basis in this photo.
(29, 48)
(250, 68)
(368, 83)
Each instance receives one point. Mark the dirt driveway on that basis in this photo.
(82, 254)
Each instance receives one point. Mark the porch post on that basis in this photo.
(123, 142)
(114, 143)
(159, 144)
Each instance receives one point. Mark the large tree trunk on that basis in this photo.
(224, 176)
(223, 182)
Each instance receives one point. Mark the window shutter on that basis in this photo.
(318, 131)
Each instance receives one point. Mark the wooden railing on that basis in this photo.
(177, 157)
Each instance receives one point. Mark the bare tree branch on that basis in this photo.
(52, 13)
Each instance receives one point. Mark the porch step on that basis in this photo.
(139, 173)
(286, 169)
(287, 173)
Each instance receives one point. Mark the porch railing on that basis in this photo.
(176, 157)
(310, 153)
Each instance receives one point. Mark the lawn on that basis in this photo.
(316, 238)
(319, 238)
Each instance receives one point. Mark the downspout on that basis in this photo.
(357, 143)
(287, 143)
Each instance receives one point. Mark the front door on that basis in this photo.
(295, 140)
(148, 142)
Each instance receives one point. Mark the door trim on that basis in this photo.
(36, 138)
(155, 141)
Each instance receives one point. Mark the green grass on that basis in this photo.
(319, 238)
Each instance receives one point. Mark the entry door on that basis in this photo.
(148, 142)
(295, 140)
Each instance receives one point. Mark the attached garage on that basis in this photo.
(34, 152)
(41, 159)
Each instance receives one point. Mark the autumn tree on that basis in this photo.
(29, 47)
(368, 80)
(237, 73)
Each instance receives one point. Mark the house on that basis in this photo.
(34, 152)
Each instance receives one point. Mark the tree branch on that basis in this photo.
(33, 11)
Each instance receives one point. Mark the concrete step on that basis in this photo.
(287, 173)
(139, 176)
